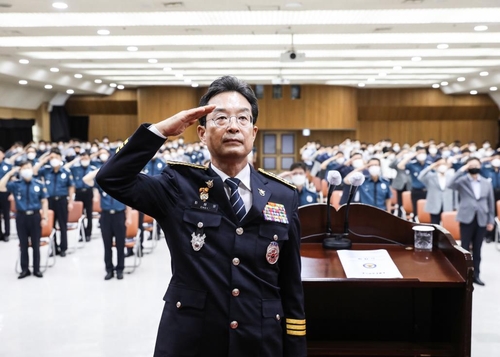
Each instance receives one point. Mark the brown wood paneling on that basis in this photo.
(121, 102)
(426, 113)
(113, 126)
(325, 137)
(320, 107)
(14, 113)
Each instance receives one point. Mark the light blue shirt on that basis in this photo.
(476, 186)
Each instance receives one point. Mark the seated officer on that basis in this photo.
(375, 191)
(297, 175)
(31, 196)
(113, 224)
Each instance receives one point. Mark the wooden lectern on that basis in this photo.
(427, 313)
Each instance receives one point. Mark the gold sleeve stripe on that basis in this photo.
(295, 327)
(296, 322)
(296, 333)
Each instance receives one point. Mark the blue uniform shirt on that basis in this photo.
(108, 203)
(28, 194)
(307, 197)
(57, 183)
(78, 171)
(414, 167)
(375, 193)
(155, 167)
(488, 171)
(4, 168)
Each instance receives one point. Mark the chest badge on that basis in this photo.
(272, 253)
(63, 176)
(203, 193)
(36, 189)
(275, 212)
(210, 183)
(197, 241)
(262, 192)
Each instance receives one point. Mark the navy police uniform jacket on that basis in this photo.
(28, 194)
(57, 183)
(228, 295)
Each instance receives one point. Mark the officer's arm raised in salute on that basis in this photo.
(233, 233)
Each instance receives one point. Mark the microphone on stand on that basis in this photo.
(340, 241)
(334, 179)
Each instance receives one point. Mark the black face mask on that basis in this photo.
(474, 171)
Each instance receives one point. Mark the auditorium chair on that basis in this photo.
(324, 190)
(394, 201)
(76, 230)
(407, 205)
(422, 215)
(449, 222)
(132, 240)
(151, 226)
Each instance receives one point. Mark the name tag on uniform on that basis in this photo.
(275, 212)
(205, 206)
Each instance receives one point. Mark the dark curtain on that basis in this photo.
(79, 127)
(59, 124)
(12, 130)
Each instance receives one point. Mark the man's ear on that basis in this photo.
(201, 133)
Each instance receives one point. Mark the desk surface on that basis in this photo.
(418, 268)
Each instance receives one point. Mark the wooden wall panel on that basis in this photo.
(113, 126)
(325, 137)
(411, 131)
(13, 113)
(426, 113)
(320, 107)
(121, 102)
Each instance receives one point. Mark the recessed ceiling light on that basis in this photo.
(473, 92)
(23, 82)
(361, 84)
(444, 83)
(442, 46)
(48, 86)
(70, 91)
(178, 75)
(397, 68)
(78, 75)
(187, 80)
(120, 86)
(382, 74)
(152, 60)
(416, 59)
(493, 89)
(112, 85)
(132, 48)
(194, 85)
(435, 85)
(60, 5)
(293, 4)
(103, 32)
(371, 79)
(166, 69)
(461, 79)
(98, 81)
(480, 28)
(483, 74)
(24, 61)
(54, 69)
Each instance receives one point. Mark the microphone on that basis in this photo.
(334, 179)
(340, 241)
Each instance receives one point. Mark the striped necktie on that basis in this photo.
(235, 198)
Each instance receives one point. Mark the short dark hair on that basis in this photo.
(298, 165)
(230, 84)
(473, 159)
(55, 151)
(375, 159)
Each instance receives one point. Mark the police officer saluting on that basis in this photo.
(31, 196)
(61, 190)
(79, 167)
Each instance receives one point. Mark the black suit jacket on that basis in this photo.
(225, 299)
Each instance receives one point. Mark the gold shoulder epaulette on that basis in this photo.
(276, 177)
(173, 163)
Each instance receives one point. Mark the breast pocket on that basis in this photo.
(204, 228)
(181, 325)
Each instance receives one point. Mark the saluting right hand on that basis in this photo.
(177, 124)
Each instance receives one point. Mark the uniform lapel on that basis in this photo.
(217, 194)
(260, 196)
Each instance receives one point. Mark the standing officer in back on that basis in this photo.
(31, 196)
(61, 189)
(233, 233)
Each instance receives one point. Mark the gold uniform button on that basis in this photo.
(236, 292)
(236, 261)
(234, 325)
(178, 304)
(278, 317)
(239, 231)
(275, 237)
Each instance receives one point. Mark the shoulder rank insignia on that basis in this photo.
(181, 163)
(276, 177)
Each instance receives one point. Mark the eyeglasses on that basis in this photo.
(224, 121)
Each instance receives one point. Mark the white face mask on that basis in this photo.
(472, 148)
(446, 154)
(93, 149)
(340, 160)
(421, 157)
(180, 152)
(181, 141)
(442, 169)
(374, 170)
(19, 149)
(486, 145)
(298, 180)
(42, 147)
(85, 163)
(26, 174)
(104, 157)
(358, 163)
(55, 162)
(433, 151)
(495, 162)
(456, 149)
(396, 148)
(31, 155)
